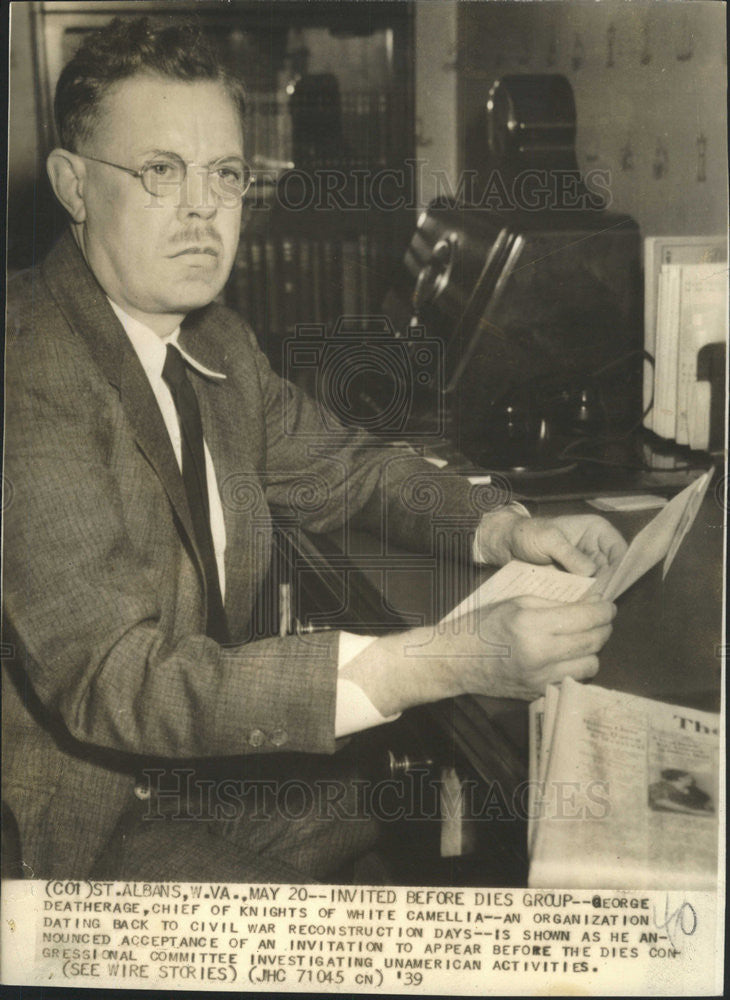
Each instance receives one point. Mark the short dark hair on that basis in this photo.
(176, 49)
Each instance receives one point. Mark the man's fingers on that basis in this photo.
(603, 576)
(540, 615)
(579, 644)
(581, 669)
(581, 616)
(594, 535)
(560, 550)
(599, 558)
(538, 603)
(612, 543)
(558, 618)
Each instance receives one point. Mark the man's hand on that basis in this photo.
(509, 650)
(518, 647)
(581, 543)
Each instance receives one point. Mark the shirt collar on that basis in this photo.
(152, 349)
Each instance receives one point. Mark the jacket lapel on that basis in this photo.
(232, 428)
(87, 310)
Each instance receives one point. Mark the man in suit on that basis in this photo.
(148, 442)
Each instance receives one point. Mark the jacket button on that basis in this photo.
(256, 738)
(279, 737)
(142, 792)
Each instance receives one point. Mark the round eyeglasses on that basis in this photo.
(229, 178)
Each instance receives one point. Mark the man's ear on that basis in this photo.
(66, 174)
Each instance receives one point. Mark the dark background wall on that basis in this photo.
(650, 83)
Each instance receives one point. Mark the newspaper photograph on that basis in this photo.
(365, 498)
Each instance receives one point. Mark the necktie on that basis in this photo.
(196, 486)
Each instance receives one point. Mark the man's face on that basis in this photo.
(160, 257)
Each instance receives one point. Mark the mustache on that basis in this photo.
(197, 236)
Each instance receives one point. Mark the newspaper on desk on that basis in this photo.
(626, 791)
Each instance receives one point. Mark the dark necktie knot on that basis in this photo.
(174, 371)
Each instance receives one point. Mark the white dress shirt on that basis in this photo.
(354, 710)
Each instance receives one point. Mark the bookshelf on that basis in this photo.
(330, 137)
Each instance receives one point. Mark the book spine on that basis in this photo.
(363, 273)
(289, 291)
(273, 296)
(331, 282)
(259, 308)
(382, 119)
(650, 319)
(375, 289)
(665, 401)
(686, 358)
(350, 283)
(315, 257)
(305, 304)
(349, 129)
(241, 283)
(365, 130)
(699, 416)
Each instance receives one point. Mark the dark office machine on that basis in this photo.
(533, 289)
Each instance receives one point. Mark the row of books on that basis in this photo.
(366, 124)
(360, 137)
(685, 331)
(279, 283)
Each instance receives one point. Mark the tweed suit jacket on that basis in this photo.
(105, 603)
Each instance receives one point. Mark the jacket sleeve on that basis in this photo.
(328, 473)
(96, 637)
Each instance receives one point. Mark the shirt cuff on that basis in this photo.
(517, 508)
(353, 710)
